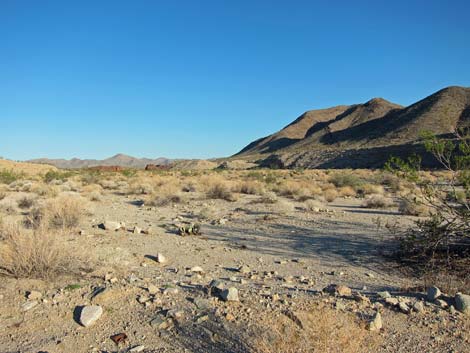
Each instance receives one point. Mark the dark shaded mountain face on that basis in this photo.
(362, 135)
(120, 160)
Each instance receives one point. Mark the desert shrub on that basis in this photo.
(95, 196)
(284, 207)
(221, 191)
(10, 176)
(63, 212)
(57, 175)
(129, 173)
(141, 188)
(321, 329)
(346, 191)
(91, 188)
(377, 201)
(165, 195)
(34, 254)
(313, 205)
(249, 187)
(268, 197)
(108, 184)
(411, 206)
(346, 179)
(44, 190)
(90, 176)
(26, 202)
(446, 232)
(370, 189)
(330, 195)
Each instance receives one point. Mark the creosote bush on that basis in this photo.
(377, 201)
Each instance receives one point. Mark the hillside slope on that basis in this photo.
(362, 135)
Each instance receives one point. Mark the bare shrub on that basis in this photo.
(95, 196)
(284, 207)
(313, 205)
(370, 189)
(412, 206)
(268, 197)
(34, 254)
(250, 187)
(220, 190)
(141, 188)
(64, 212)
(346, 179)
(330, 195)
(323, 330)
(45, 190)
(26, 202)
(165, 195)
(377, 201)
(347, 191)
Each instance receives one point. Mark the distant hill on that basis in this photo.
(24, 167)
(361, 135)
(121, 160)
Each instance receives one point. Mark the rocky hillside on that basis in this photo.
(121, 160)
(362, 135)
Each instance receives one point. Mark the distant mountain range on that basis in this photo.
(361, 135)
(120, 159)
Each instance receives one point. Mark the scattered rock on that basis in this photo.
(244, 269)
(90, 314)
(418, 307)
(153, 289)
(136, 230)
(29, 305)
(375, 323)
(433, 293)
(340, 290)
(34, 295)
(112, 225)
(160, 258)
(384, 294)
(197, 269)
(137, 349)
(441, 303)
(229, 295)
(404, 308)
(462, 303)
(391, 301)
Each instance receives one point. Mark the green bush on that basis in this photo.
(346, 179)
(56, 175)
(9, 176)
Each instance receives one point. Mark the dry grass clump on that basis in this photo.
(370, 189)
(140, 188)
(164, 195)
(216, 187)
(64, 212)
(377, 201)
(297, 190)
(346, 179)
(250, 187)
(346, 191)
(284, 207)
(330, 195)
(90, 188)
(95, 196)
(34, 253)
(268, 197)
(412, 206)
(322, 329)
(313, 205)
(26, 202)
(108, 184)
(45, 190)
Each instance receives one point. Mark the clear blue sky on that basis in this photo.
(202, 78)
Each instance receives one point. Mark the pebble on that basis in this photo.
(462, 303)
(433, 293)
(90, 314)
(230, 295)
(34, 295)
(29, 305)
(136, 349)
(160, 258)
(376, 323)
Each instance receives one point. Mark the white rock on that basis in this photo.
(229, 294)
(197, 269)
(153, 289)
(136, 230)
(112, 225)
(161, 259)
(29, 305)
(90, 314)
(135, 349)
(34, 295)
(376, 322)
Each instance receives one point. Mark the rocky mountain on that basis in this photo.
(362, 135)
(120, 159)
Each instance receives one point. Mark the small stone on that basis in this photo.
(376, 323)
(441, 303)
(229, 294)
(360, 298)
(160, 323)
(153, 289)
(137, 349)
(370, 274)
(339, 290)
(90, 314)
(244, 269)
(136, 230)
(404, 308)
(34, 295)
(418, 307)
(433, 293)
(462, 303)
(143, 299)
(391, 301)
(170, 291)
(229, 317)
(111, 225)
(202, 318)
(160, 258)
(384, 295)
(197, 269)
(29, 305)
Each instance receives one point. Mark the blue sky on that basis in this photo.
(199, 79)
